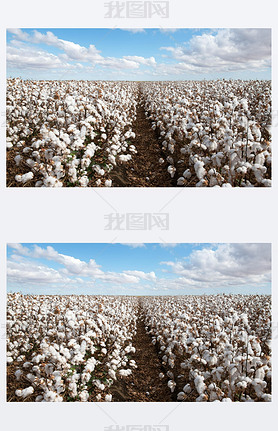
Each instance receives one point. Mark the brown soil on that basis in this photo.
(144, 170)
(144, 384)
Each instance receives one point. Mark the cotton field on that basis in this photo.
(69, 133)
(79, 133)
(210, 348)
(214, 133)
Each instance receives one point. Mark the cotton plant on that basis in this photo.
(218, 130)
(63, 131)
(82, 346)
(209, 349)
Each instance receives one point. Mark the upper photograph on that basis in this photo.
(139, 107)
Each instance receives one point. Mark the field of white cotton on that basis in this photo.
(79, 133)
(214, 133)
(209, 348)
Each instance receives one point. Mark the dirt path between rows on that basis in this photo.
(144, 170)
(144, 384)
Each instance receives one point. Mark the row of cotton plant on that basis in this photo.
(69, 348)
(69, 133)
(213, 348)
(213, 133)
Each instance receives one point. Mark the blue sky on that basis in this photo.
(139, 54)
(139, 269)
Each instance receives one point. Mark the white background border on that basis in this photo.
(77, 215)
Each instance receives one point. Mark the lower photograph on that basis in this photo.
(139, 322)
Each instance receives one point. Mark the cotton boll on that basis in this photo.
(108, 397)
(171, 169)
(199, 169)
(187, 174)
(17, 159)
(84, 396)
(18, 374)
(171, 384)
(202, 398)
(181, 181)
(84, 181)
(199, 384)
(24, 178)
(181, 396)
(108, 183)
(25, 392)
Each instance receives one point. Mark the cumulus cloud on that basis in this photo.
(225, 265)
(224, 50)
(28, 56)
(71, 267)
(217, 266)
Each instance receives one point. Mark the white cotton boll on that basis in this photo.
(24, 178)
(187, 388)
(227, 185)
(161, 376)
(267, 398)
(9, 144)
(98, 397)
(202, 183)
(199, 169)
(108, 397)
(181, 181)
(125, 373)
(108, 183)
(17, 159)
(171, 384)
(161, 161)
(202, 398)
(84, 396)
(17, 374)
(112, 374)
(31, 377)
(84, 181)
(39, 398)
(181, 396)
(226, 400)
(199, 384)
(171, 169)
(9, 359)
(112, 159)
(242, 385)
(242, 170)
(266, 183)
(25, 392)
(187, 173)
(124, 158)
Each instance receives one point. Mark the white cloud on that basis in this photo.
(26, 272)
(141, 60)
(217, 266)
(26, 55)
(225, 265)
(71, 267)
(225, 50)
(142, 275)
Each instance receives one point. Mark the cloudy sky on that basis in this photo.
(139, 269)
(139, 54)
